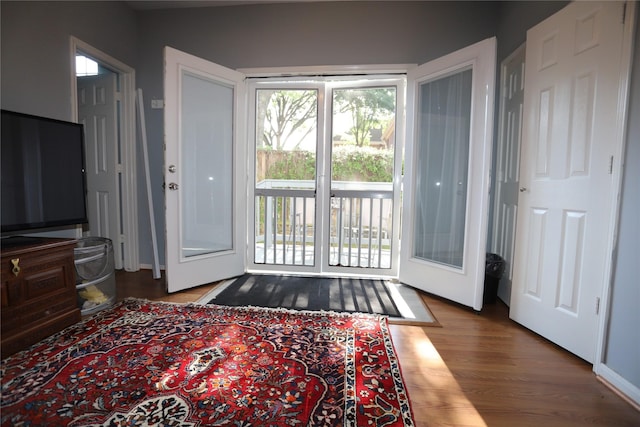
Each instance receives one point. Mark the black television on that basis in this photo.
(42, 179)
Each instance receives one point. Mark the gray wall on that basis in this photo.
(516, 17)
(623, 343)
(35, 43)
(36, 57)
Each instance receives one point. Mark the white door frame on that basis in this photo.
(283, 80)
(129, 197)
(599, 365)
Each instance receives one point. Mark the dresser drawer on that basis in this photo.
(51, 307)
(38, 309)
(38, 291)
(45, 282)
(24, 337)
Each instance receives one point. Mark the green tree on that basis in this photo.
(368, 108)
(283, 115)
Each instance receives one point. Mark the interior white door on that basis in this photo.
(507, 174)
(205, 171)
(97, 111)
(447, 165)
(571, 133)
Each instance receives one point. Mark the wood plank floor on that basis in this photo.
(476, 370)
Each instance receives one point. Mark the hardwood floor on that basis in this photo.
(476, 370)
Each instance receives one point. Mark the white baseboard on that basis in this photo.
(619, 385)
(149, 267)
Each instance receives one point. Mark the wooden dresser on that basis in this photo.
(38, 290)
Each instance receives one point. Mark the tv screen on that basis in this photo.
(42, 179)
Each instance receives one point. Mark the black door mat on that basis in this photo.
(309, 293)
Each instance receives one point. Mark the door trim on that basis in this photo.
(620, 137)
(129, 193)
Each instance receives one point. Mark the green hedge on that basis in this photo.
(350, 163)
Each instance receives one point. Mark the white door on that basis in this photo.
(508, 165)
(97, 111)
(571, 133)
(205, 172)
(447, 168)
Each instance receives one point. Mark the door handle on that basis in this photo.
(173, 186)
(523, 189)
(16, 268)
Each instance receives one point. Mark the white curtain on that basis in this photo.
(442, 168)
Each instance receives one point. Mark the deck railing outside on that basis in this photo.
(360, 224)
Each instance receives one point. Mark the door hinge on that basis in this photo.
(597, 305)
(610, 165)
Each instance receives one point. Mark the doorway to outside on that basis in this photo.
(210, 168)
(326, 172)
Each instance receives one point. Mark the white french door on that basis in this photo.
(447, 168)
(205, 169)
(325, 152)
(445, 186)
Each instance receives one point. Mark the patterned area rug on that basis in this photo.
(145, 363)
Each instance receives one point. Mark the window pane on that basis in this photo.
(363, 135)
(362, 149)
(206, 166)
(286, 136)
(285, 158)
(442, 150)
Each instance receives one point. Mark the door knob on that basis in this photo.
(523, 189)
(173, 186)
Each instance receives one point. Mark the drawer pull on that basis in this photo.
(16, 268)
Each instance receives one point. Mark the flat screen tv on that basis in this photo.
(42, 182)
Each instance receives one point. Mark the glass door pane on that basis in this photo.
(206, 166)
(442, 153)
(362, 160)
(285, 176)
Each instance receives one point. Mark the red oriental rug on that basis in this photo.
(145, 363)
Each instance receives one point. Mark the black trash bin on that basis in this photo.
(493, 271)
